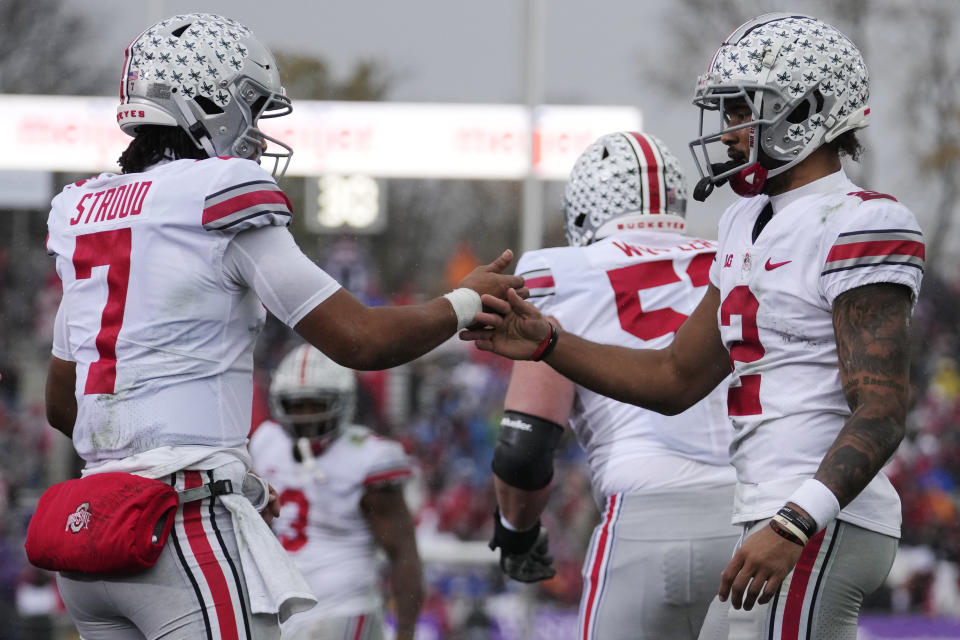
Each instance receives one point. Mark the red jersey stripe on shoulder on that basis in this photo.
(540, 282)
(872, 195)
(386, 476)
(877, 248)
(244, 201)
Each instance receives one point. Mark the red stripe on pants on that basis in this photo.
(602, 544)
(360, 624)
(207, 559)
(793, 608)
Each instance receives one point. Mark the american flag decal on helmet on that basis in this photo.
(242, 203)
(857, 249)
(539, 282)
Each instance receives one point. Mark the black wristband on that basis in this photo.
(512, 542)
(544, 350)
(783, 532)
(805, 524)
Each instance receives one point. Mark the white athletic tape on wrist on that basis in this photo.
(818, 501)
(466, 304)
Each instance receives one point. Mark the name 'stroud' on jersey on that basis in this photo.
(109, 204)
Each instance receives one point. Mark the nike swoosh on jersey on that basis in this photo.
(770, 266)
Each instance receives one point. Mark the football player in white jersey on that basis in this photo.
(166, 269)
(340, 488)
(809, 302)
(664, 484)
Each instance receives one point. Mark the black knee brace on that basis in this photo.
(523, 455)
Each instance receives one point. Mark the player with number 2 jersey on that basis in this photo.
(809, 302)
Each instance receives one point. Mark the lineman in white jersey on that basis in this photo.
(664, 484)
(810, 301)
(166, 269)
(340, 488)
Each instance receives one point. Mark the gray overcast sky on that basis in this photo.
(444, 50)
(455, 51)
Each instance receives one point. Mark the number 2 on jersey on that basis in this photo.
(628, 282)
(745, 399)
(110, 249)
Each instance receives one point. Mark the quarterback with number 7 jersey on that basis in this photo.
(809, 305)
(166, 270)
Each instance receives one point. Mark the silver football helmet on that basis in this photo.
(212, 78)
(311, 395)
(624, 180)
(805, 84)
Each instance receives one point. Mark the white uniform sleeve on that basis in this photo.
(879, 242)
(287, 282)
(538, 278)
(388, 463)
(243, 196)
(60, 343)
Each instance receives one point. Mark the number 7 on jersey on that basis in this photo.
(110, 249)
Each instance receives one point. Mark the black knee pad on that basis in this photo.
(523, 455)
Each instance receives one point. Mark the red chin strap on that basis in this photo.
(748, 182)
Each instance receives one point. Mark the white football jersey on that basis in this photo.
(321, 524)
(163, 341)
(634, 289)
(785, 399)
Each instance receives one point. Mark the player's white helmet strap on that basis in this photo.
(211, 77)
(805, 84)
(625, 180)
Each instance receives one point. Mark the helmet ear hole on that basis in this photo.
(802, 111)
(209, 106)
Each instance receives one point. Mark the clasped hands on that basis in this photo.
(509, 327)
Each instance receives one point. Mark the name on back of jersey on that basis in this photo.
(117, 202)
(631, 250)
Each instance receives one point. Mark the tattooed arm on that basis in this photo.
(872, 326)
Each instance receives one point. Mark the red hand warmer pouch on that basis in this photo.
(112, 523)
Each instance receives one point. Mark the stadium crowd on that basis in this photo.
(445, 408)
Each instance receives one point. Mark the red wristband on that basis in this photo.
(547, 345)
